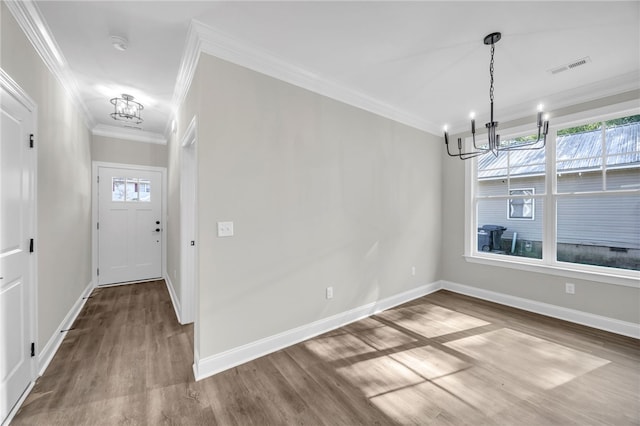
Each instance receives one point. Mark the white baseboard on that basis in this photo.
(174, 299)
(203, 368)
(46, 354)
(214, 364)
(596, 321)
(14, 410)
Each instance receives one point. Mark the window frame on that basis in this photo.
(548, 264)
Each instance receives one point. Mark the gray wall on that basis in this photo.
(321, 194)
(114, 150)
(64, 182)
(593, 296)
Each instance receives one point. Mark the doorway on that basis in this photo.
(129, 223)
(188, 223)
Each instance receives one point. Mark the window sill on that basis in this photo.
(627, 278)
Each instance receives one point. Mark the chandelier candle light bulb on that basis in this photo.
(493, 145)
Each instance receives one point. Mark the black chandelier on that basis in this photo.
(494, 145)
(126, 109)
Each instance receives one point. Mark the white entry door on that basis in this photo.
(17, 166)
(129, 227)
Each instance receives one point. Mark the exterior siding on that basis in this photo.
(580, 219)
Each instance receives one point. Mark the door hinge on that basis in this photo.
(33, 349)
(31, 140)
(31, 245)
(193, 243)
(98, 225)
(98, 271)
(98, 179)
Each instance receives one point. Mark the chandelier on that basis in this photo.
(494, 146)
(126, 109)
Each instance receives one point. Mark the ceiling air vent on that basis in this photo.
(132, 127)
(570, 66)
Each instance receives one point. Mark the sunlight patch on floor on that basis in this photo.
(432, 320)
(539, 362)
(421, 404)
(379, 375)
(429, 362)
(385, 338)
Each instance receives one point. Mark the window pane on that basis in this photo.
(132, 189)
(579, 158)
(117, 189)
(580, 181)
(529, 165)
(144, 190)
(496, 234)
(599, 230)
(623, 178)
(623, 153)
(511, 169)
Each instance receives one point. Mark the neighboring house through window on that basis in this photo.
(574, 202)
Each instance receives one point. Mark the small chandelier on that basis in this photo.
(126, 109)
(494, 145)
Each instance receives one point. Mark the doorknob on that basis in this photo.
(157, 230)
(157, 222)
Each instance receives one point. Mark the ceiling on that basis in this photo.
(422, 63)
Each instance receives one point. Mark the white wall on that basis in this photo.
(112, 150)
(63, 241)
(593, 296)
(321, 194)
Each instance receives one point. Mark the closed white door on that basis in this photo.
(17, 165)
(129, 225)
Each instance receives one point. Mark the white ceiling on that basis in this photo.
(422, 61)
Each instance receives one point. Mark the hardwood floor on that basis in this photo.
(444, 359)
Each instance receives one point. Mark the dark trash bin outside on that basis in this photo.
(490, 237)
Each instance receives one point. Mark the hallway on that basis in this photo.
(125, 359)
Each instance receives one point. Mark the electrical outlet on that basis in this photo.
(413, 271)
(570, 288)
(329, 292)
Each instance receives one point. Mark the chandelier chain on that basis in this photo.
(493, 48)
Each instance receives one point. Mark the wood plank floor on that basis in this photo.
(444, 359)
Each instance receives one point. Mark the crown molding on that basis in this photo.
(590, 92)
(188, 65)
(35, 28)
(205, 39)
(129, 135)
(14, 90)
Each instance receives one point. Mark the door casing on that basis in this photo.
(189, 224)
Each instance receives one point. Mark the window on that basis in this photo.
(573, 205)
(516, 179)
(521, 208)
(598, 220)
(130, 189)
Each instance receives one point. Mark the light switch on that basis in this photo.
(225, 229)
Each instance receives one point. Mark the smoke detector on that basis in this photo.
(119, 43)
